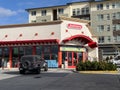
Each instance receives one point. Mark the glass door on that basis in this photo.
(72, 58)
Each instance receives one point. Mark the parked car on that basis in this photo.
(33, 63)
(116, 60)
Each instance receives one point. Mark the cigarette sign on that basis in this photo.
(74, 26)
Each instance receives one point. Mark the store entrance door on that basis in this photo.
(72, 58)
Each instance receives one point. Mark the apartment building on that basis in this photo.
(105, 21)
(104, 17)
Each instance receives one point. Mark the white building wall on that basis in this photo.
(28, 33)
(71, 32)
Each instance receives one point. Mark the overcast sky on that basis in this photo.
(13, 11)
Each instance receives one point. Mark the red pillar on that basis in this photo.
(34, 50)
(84, 57)
(10, 56)
(59, 59)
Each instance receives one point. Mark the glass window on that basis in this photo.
(39, 50)
(28, 50)
(43, 12)
(100, 28)
(87, 10)
(100, 7)
(108, 38)
(78, 11)
(83, 11)
(74, 12)
(118, 4)
(118, 15)
(113, 5)
(33, 13)
(0, 52)
(114, 15)
(107, 6)
(60, 11)
(54, 49)
(6, 51)
(101, 39)
(100, 17)
(108, 27)
(108, 16)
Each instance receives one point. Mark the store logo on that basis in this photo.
(74, 26)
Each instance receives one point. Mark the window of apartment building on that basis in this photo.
(118, 4)
(85, 11)
(107, 6)
(108, 28)
(44, 20)
(118, 15)
(108, 16)
(33, 13)
(43, 12)
(113, 5)
(108, 38)
(78, 11)
(100, 17)
(101, 39)
(113, 15)
(116, 27)
(74, 12)
(117, 38)
(99, 6)
(60, 11)
(33, 21)
(100, 28)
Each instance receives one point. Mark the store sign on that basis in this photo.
(74, 26)
(76, 49)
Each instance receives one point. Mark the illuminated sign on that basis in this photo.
(74, 26)
(76, 49)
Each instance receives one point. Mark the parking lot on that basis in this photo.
(58, 79)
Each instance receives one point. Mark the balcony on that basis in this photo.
(81, 16)
(116, 33)
(116, 21)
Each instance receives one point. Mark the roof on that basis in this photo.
(67, 4)
(31, 24)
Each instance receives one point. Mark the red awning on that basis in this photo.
(56, 41)
(84, 38)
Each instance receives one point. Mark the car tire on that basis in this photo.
(46, 68)
(22, 71)
(38, 71)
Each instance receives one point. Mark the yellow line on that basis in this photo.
(100, 72)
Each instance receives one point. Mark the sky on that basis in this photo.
(13, 11)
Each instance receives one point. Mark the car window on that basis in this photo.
(27, 59)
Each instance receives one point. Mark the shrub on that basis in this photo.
(83, 66)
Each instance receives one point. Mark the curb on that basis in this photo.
(100, 72)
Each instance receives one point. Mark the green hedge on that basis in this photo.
(95, 66)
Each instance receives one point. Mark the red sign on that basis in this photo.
(74, 26)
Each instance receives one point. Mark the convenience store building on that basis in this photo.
(58, 41)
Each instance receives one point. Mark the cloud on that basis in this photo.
(6, 12)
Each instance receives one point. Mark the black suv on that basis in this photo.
(32, 63)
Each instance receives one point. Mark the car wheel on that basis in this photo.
(46, 68)
(22, 71)
(38, 71)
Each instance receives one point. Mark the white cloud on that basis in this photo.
(6, 12)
